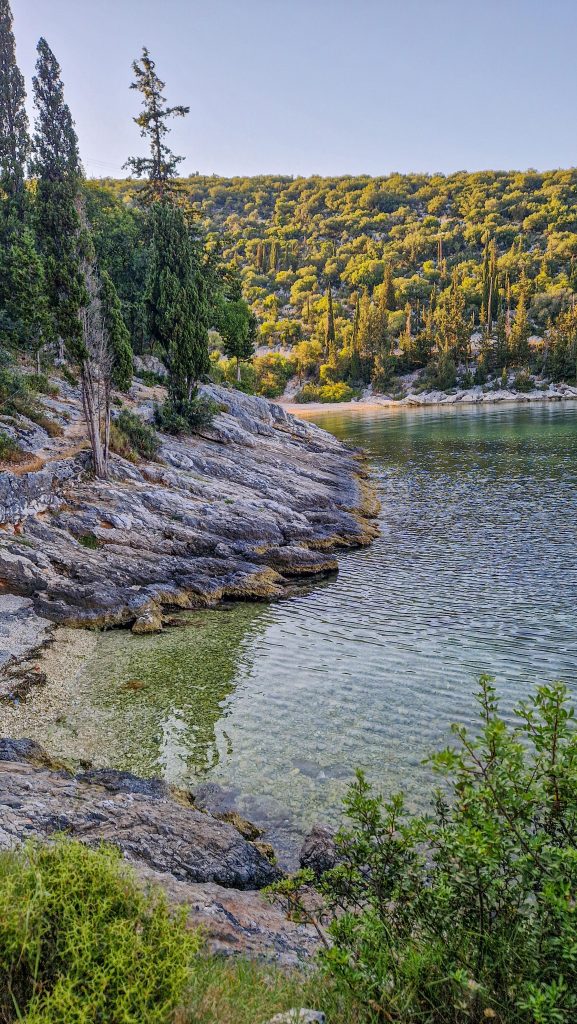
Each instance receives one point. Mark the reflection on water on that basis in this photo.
(475, 571)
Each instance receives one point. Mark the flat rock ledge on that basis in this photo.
(200, 862)
(258, 501)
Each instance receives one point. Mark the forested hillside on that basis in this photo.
(378, 276)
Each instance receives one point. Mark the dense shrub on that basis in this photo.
(467, 914)
(140, 436)
(185, 417)
(10, 451)
(80, 942)
(333, 392)
(524, 381)
(18, 397)
(273, 372)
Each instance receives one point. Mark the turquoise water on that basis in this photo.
(475, 571)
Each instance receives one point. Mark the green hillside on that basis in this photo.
(415, 264)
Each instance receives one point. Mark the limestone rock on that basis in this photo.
(150, 828)
(318, 852)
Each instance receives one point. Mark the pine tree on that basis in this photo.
(390, 298)
(519, 338)
(118, 333)
(14, 136)
(25, 313)
(177, 299)
(162, 164)
(57, 166)
(355, 371)
(330, 336)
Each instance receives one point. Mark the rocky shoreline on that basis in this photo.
(477, 396)
(259, 501)
(202, 862)
(256, 504)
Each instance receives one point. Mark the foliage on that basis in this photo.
(524, 381)
(334, 392)
(57, 166)
(80, 941)
(177, 300)
(118, 334)
(10, 451)
(161, 166)
(18, 398)
(141, 438)
(466, 914)
(14, 137)
(185, 417)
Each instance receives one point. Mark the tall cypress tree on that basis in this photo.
(14, 136)
(57, 166)
(119, 345)
(330, 336)
(177, 300)
(162, 164)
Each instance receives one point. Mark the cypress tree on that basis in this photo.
(330, 336)
(57, 166)
(162, 164)
(390, 297)
(14, 136)
(118, 334)
(25, 314)
(177, 300)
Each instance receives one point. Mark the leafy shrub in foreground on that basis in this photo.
(185, 417)
(468, 914)
(80, 942)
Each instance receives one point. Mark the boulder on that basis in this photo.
(318, 852)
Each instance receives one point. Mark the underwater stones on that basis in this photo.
(148, 825)
(318, 852)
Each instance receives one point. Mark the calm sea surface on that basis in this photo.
(475, 571)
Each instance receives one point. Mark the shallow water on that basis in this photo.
(475, 571)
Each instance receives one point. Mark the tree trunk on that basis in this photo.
(237, 370)
(89, 402)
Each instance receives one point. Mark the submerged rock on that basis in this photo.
(319, 852)
(141, 818)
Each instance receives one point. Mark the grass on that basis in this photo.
(81, 942)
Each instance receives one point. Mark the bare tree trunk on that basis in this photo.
(89, 401)
(237, 370)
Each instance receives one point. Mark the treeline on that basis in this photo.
(429, 272)
(64, 270)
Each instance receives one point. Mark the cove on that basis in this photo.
(474, 571)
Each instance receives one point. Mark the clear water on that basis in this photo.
(475, 571)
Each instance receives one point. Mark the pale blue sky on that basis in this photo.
(322, 86)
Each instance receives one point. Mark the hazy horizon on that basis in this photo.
(317, 89)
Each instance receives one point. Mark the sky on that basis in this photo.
(324, 87)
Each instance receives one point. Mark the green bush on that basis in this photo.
(185, 417)
(469, 913)
(10, 451)
(273, 372)
(18, 398)
(79, 941)
(335, 392)
(440, 374)
(140, 435)
(524, 382)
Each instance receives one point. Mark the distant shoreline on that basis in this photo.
(473, 396)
